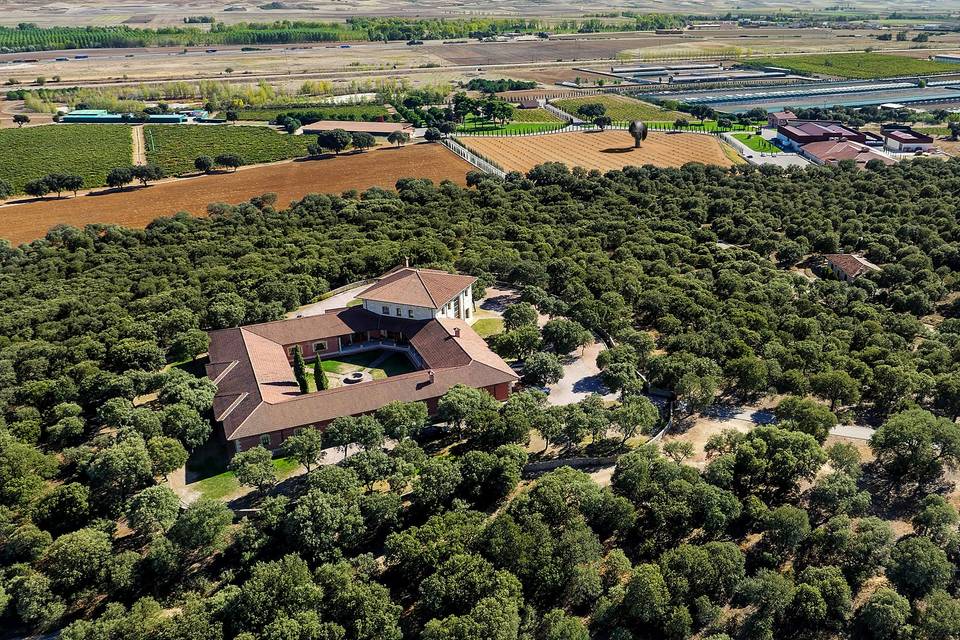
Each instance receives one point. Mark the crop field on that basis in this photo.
(534, 115)
(312, 113)
(473, 124)
(603, 150)
(175, 146)
(88, 150)
(855, 65)
(137, 207)
(621, 108)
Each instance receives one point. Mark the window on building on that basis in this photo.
(399, 312)
(319, 346)
(385, 310)
(409, 313)
(265, 440)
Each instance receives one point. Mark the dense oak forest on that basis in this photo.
(695, 274)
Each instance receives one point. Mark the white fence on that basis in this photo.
(484, 165)
(563, 115)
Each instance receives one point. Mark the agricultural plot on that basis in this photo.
(312, 113)
(175, 147)
(855, 65)
(473, 124)
(621, 108)
(88, 150)
(534, 115)
(603, 150)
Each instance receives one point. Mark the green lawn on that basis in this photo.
(487, 327)
(175, 146)
(855, 65)
(88, 150)
(473, 124)
(395, 365)
(223, 482)
(757, 142)
(621, 108)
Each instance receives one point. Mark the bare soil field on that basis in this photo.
(289, 180)
(603, 150)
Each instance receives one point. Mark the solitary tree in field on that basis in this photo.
(37, 188)
(203, 163)
(230, 160)
(398, 138)
(591, 110)
(300, 369)
(603, 122)
(362, 140)
(336, 140)
(119, 177)
(319, 376)
(20, 119)
(147, 172)
(639, 132)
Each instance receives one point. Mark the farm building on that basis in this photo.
(102, 116)
(779, 118)
(905, 140)
(831, 152)
(848, 266)
(795, 133)
(374, 128)
(529, 104)
(258, 400)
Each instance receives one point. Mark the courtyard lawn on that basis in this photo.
(487, 327)
(757, 142)
(222, 482)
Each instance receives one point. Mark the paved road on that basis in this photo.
(581, 377)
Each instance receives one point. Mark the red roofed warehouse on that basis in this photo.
(415, 316)
(796, 133)
(835, 151)
(906, 140)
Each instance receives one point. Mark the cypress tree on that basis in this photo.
(300, 370)
(319, 376)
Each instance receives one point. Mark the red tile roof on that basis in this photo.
(852, 265)
(257, 392)
(418, 287)
(833, 151)
(908, 136)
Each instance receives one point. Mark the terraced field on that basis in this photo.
(174, 147)
(88, 150)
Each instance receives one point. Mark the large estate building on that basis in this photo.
(417, 315)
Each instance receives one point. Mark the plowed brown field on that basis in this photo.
(289, 180)
(604, 150)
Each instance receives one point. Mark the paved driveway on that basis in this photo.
(581, 377)
(333, 302)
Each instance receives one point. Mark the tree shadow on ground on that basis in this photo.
(618, 150)
(895, 499)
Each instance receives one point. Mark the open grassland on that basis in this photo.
(88, 150)
(313, 113)
(289, 180)
(621, 108)
(756, 142)
(174, 147)
(534, 115)
(603, 150)
(855, 65)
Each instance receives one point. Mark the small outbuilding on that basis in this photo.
(849, 266)
(905, 140)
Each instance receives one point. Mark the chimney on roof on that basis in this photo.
(431, 375)
(456, 332)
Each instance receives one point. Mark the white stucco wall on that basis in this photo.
(411, 312)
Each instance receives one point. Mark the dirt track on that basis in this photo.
(289, 180)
